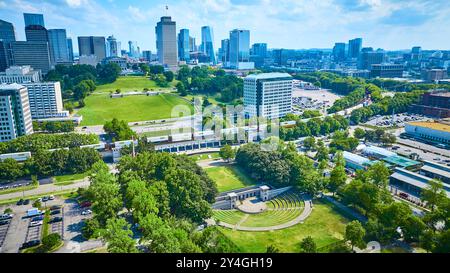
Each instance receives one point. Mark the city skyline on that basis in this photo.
(381, 23)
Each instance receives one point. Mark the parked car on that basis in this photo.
(4, 222)
(86, 212)
(37, 218)
(45, 199)
(51, 197)
(30, 244)
(36, 223)
(26, 202)
(6, 216)
(86, 204)
(20, 202)
(54, 212)
(56, 220)
(55, 207)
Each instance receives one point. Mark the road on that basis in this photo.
(43, 189)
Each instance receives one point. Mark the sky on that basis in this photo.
(294, 24)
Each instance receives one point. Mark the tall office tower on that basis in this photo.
(240, 49)
(416, 53)
(133, 49)
(119, 49)
(38, 33)
(354, 47)
(258, 54)
(166, 42)
(192, 45)
(45, 100)
(70, 49)
(58, 44)
(147, 55)
(268, 95)
(20, 74)
(339, 52)
(112, 47)
(14, 112)
(33, 19)
(92, 46)
(183, 45)
(224, 51)
(34, 54)
(7, 35)
(368, 57)
(208, 44)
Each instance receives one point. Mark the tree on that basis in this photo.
(181, 89)
(428, 240)
(378, 174)
(169, 76)
(338, 177)
(90, 229)
(309, 143)
(118, 236)
(434, 194)
(10, 169)
(50, 241)
(359, 133)
(308, 245)
(227, 153)
(354, 232)
(119, 130)
(272, 249)
(413, 228)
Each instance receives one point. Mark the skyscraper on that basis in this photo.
(33, 19)
(7, 35)
(258, 54)
(368, 57)
(224, 51)
(192, 45)
(133, 49)
(34, 54)
(354, 47)
(240, 49)
(70, 49)
(208, 43)
(39, 34)
(112, 47)
(339, 52)
(92, 46)
(166, 42)
(183, 45)
(58, 44)
(15, 112)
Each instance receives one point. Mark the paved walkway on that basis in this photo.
(43, 189)
(305, 214)
(348, 210)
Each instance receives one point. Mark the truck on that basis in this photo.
(34, 212)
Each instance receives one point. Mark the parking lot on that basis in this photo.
(3, 231)
(398, 120)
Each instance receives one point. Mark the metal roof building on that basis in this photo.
(437, 171)
(377, 152)
(411, 182)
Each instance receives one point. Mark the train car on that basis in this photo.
(181, 137)
(158, 139)
(19, 157)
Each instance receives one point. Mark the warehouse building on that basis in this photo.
(436, 171)
(435, 132)
(355, 162)
(412, 183)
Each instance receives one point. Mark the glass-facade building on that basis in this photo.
(208, 43)
(354, 47)
(33, 19)
(183, 45)
(58, 45)
(7, 35)
(166, 42)
(240, 49)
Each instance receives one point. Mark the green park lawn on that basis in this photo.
(199, 157)
(62, 179)
(229, 178)
(101, 108)
(129, 83)
(325, 225)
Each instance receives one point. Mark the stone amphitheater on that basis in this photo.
(282, 211)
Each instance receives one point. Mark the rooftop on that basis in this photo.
(272, 75)
(401, 161)
(12, 86)
(432, 125)
(414, 179)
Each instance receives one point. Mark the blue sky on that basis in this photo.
(388, 24)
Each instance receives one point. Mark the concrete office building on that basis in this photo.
(183, 45)
(147, 55)
(34, 54)
(111, 47)
(15, 115)
(435, 104)
(92, 46)
(258, 54)
(7, 35)
(354, 48)
(20, 74)
(386, 71)
(434, 132)
(45, 100)
(368, 57)
(240, 50)
(207, 46)
(33, 19)
(59, 46)
(268, 95)
(432, 75)
(166, 42)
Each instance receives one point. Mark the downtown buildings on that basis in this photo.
(166, 42)
(239, 50)
(207, 46)
(92, 49)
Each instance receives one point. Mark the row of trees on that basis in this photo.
(35, 142)
(45, 163)
(119, 130)
(314, 127)
(54, 126)
(377, 135)
(355, 97)
(166, 195)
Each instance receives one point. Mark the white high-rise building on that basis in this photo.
(268, 95)
(166, 42)
(15, 114)
(20, 74)
(45, 100)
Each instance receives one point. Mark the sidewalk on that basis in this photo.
(348, 210)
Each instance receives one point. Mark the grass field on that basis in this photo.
(325, 225)
(59, 179)
(229, 178)
(200, 157)
(129, 83)
(101, 108)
